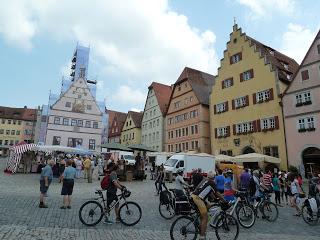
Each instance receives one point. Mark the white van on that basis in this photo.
(127, 156)
(189, 162)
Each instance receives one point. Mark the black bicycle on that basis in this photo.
(188, 227)
(92, 212)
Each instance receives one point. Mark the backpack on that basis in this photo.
(105, 182)
(252, 186)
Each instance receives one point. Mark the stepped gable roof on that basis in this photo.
(284, 64)
(163, 93)
(25, 113)
(136, 117)
(201, 83)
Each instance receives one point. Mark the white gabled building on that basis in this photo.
(153, 120)
(75, 119)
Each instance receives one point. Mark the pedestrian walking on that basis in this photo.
(45, 181)
(295, 189)
(276, 188)
(87, 169)
(68, 177)
(78, 168)
(245, 179)
(219, 181)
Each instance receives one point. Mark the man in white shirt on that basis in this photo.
(180, 183)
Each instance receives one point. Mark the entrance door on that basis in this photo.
(250, 165)
(311, 161)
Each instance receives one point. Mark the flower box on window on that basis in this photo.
(299, 104)
(302, 130)
(265, 130)
(307, 103)
(311, 129)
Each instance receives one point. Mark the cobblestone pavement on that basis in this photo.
(20, 216)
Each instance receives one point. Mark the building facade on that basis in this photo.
(153, 127)
(187, 119)
(245, 110)
(131, 131)
(115, 127)
(301, 104)
(16, 125)
(75, 119)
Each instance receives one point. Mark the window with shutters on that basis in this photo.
(56, 120)
(240, 102)
(305, 75)
(247, 75)
(235, 58)
(227, 83)
(222, 132)
(272, 151)
(268, 124)
(245, 127)
(306, 124)
(221, 107)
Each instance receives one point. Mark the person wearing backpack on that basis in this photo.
(112, 186)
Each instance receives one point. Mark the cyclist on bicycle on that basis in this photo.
(180, 183)
(114, 185)
(205, 189)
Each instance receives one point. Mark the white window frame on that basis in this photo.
(263, 96)
(310, 121)
(268, 123)
(221, 107)
(222, 131)
(240, 102)
(247, 75)
(303, 97)
(227, 83)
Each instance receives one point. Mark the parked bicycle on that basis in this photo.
(268, 209)
(92, 212)
(240, 207)
(311, 207)
(188, 227)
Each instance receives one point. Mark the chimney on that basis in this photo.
(25, 107)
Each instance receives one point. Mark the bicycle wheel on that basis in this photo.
(130, 213)
(166, 211)
(91, 213)
(246, 216)
(309, 217)
(227, 227)
(270, 211)
(184, 228)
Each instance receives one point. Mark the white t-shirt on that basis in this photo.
(78, 164)
(180, 182)
(257, 182)
(294, 187)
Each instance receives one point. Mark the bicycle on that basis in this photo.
(95, 209)
(244, 212)
(309, 215)
(188, 226)
(171, 205)
(266, 207)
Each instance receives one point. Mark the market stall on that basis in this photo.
(257, 160)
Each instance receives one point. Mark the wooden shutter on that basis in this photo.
(305, 75)
(240, 55)
(254, 126)
(222, 84)
(231, 60)
(254, 98)
(227, 106)
(276, 119)
(231, 81)
(228, 131)
(271, 93)
(241, 77)
(251, 73)
(234, 129)
(215, 109)
(216, 133)
(258, 125)
(247, 100)
(233, 105)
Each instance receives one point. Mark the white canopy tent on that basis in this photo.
(223, 158)
(255, 157)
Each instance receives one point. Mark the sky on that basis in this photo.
(135, 42)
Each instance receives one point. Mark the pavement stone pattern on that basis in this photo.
(20, 217)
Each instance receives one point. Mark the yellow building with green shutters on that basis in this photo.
(131, 131)
(245, 103)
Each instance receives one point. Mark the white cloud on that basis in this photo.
(135, 109)
(264, 8)
(139, 42)
(296, 41)
(126, 94)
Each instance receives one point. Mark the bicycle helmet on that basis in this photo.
(179, 171)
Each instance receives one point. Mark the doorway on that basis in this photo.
(311, 161)
(250, 165)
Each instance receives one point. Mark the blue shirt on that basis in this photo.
(69, 173)
(219, 182)
(46, 172)
(245, 179)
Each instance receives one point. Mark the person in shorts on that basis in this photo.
(45, 181)
(68, 182)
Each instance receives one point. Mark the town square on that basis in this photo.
(160, 119)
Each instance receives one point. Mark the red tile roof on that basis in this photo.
(120, 118)
(136, 117)
(200, 82)
(163, 93)
(25, 113)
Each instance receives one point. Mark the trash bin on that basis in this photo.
(129, 176)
